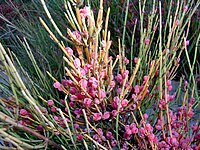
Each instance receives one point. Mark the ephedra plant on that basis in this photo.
(106, 102)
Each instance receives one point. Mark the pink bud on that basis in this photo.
(154, 28)
(55, 118)
(169, 82)
(83, 83)
(185, 84)
(62, 101)
(185, 8)
(109, 135)
(87, 102)
(39, 128)
(191, 100)
(169, 88)
(53, 109)
(97, 116)
(113, 143)
(151, 137)
(69, 51)
(177, 22)
(79, 137)
(102, 94)
(85, 12)
(106, 115)
(136, 60)
(96, 101)
(178, 59)
(77, 63)
(112, 84)
(124, 102)
(145, 78)
(50, 102)
(136, 89)
(186, 43)
(103, 43)
(23, 112)
(114, 113)
(58, 86)
(145, 116)
(190, 114)
(126, 61)
(147, 41)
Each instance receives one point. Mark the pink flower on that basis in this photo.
(106, 115)
(77, 63)
(87, 102)
(23, 112)
(85, 12)
(97, 116)
(58, 86)
(147, 41)
(50, 102)
(69, 51)
(124, 102)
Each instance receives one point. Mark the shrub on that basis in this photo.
(107, 102)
